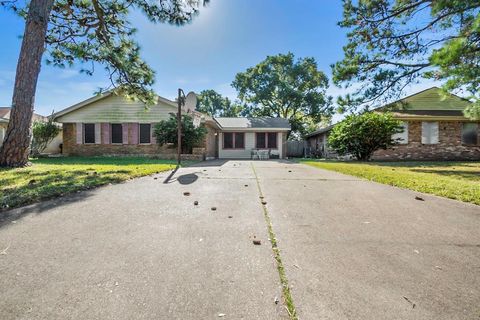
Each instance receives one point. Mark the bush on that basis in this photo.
(166, 132)
(42, 134)
(361, 135)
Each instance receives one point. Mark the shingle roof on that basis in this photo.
(319, 131)
(253, 123)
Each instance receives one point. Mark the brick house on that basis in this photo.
(434, 129)
(109, 124)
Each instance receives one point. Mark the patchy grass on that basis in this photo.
(454, 180)
(52, 177)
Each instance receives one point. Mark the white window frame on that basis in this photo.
(403, 136)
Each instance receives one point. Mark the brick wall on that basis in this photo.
(449, 147)
(71, 148)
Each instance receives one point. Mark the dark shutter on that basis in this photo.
(272, 140)
(89, 133)
(145, 132)
(239, 140)
(260, 138)
(227, 140)
(117, 133)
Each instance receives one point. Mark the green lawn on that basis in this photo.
(455, 180)
(51, 177)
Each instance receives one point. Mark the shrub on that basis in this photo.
(361, 135)
(166, 132)
(42, 134)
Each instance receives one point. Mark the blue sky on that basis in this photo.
(227, 37)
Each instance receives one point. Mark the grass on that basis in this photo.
(454, 180)
(51, 177)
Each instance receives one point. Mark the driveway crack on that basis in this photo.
(287, 296)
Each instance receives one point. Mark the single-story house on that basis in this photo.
(109, 124)
(53, 147)
(435, 128)
(238, 137)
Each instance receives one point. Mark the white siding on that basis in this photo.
(117, 109)
(249, 145)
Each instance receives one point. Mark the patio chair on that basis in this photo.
(254, 154)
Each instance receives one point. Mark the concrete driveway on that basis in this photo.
(352, 249)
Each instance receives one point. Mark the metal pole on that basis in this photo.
(179, 121)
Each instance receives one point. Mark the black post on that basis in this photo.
(179, 121)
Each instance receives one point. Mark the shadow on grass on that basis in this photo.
(40, 186)
(467, 175)
(116, 161)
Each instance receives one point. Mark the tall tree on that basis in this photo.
(394, 43)
(93, 31)
(281, 86)
(215, 105)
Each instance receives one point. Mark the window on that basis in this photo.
(228, 140)
(272, 140)
(266, 140)
(402, 137)
(261, 140)
(429, 132)
(470, 133)
(89, 133)
(239, 140)
(145, 132)
(117, 133)
(233, 140)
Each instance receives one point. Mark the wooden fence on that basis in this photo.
(295, 148)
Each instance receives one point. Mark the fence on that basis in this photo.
(295, 148)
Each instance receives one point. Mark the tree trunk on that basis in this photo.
(15, 148)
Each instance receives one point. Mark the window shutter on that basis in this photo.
(79, 133)
(98, 133)
(429, 132)
(402, 136)
(154, 138)
(125, 133)
(134, 133)
(106, 133)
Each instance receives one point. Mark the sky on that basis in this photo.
(227, 37)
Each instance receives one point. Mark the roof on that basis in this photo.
(319, 131)
(253, 123)
(4, 111)
(5, 115)
(432, 99)
(97, 98)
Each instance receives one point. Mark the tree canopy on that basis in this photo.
(166, 132)
(394, 43)
(282, 86)
(91, 32)
(361, 135)
(215, 105)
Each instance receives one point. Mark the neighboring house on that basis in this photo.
(317, 142)
(434, 129)
(108, 124)
(52, 147)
